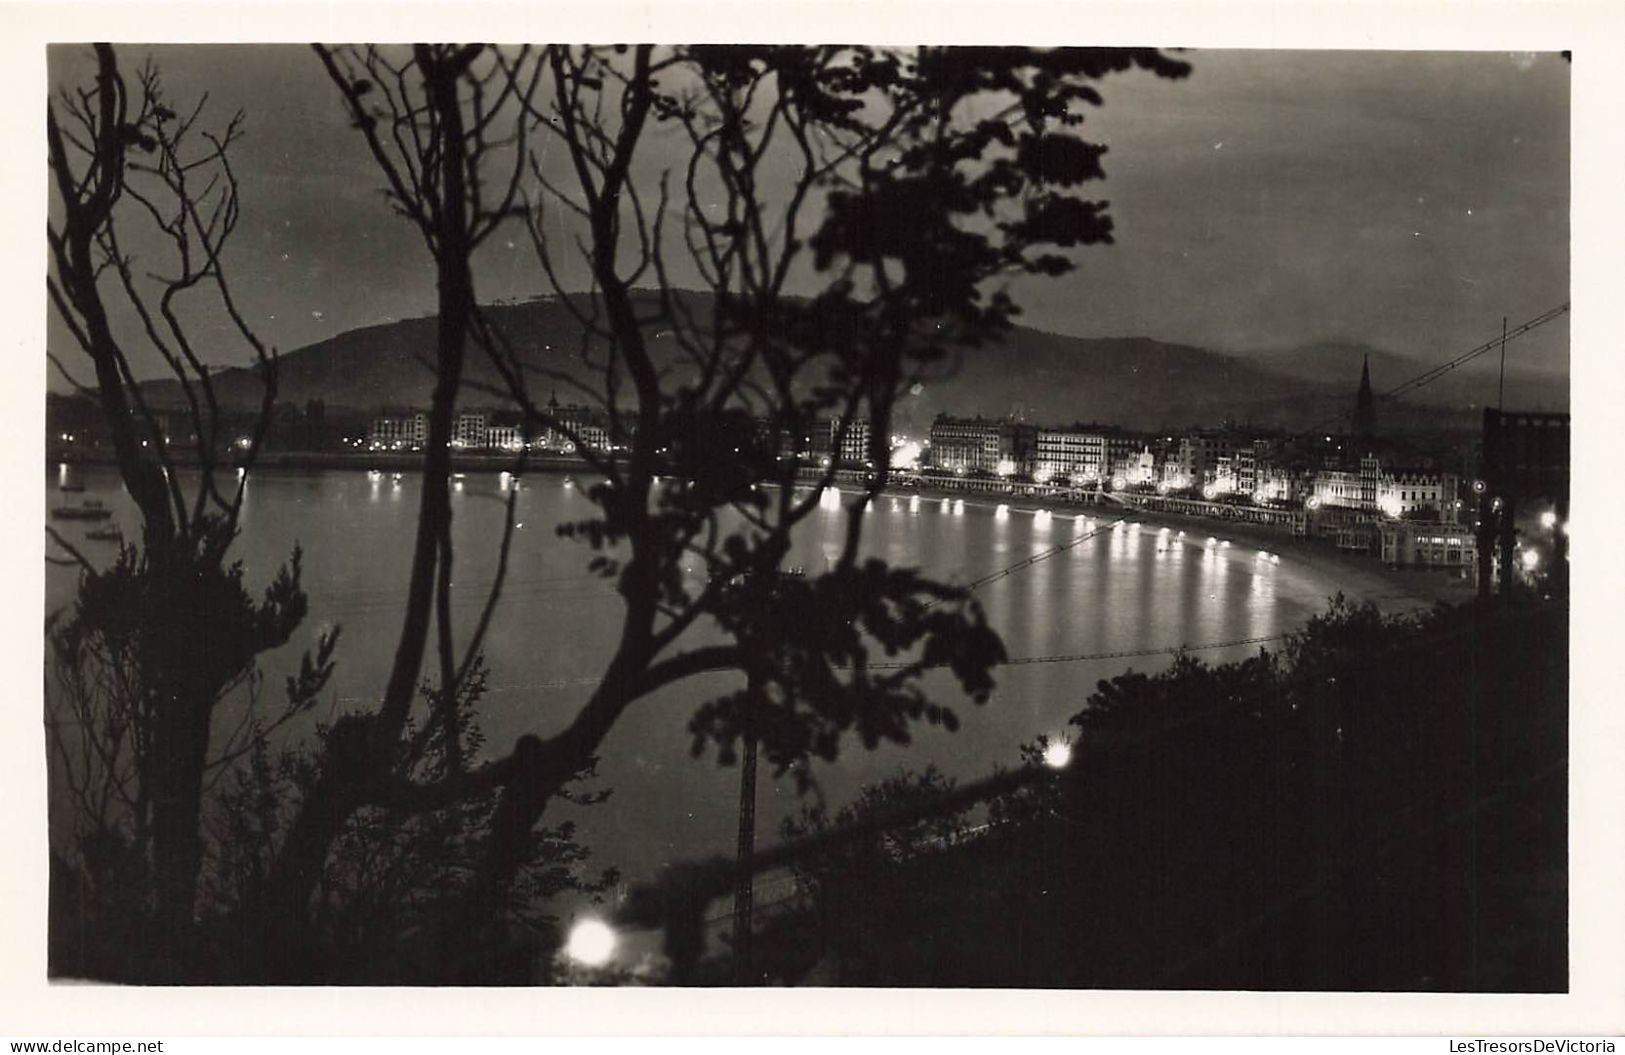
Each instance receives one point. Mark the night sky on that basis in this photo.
(1273, 199)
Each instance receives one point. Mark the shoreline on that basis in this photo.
(1360, 578)
(390, 461)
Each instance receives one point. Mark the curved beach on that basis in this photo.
(1359, 578)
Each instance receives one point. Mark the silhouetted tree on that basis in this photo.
(436, 116)
(154, 642)
(853, 216)
(917, 181)
(891, 191)
(393, 905)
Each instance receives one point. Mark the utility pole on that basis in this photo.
(1501, 391)
(745, 870)
(1505, 540)
(744, 877)
(1486, 532)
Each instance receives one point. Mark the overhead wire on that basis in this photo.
(1433, 373)
(1427, 377)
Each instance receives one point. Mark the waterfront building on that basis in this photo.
(569, 425)
(505, 430)
(1358, 535)
(1231, 474)
(594, 437)
(469, 431)
(1343, 489)
(1218, 462)
(1414, 494)
(1430, 545)
(559, 422)
(1395, 494)
(1140, 470)
(1182, 469)
(852, 449)
(1068, 454)
(1274, 484)
(1122, 455)
(967, 445)
(1237, 463)
(398, 430)
(504, 437)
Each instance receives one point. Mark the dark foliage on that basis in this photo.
(808, 641)
(878, 873)
(1379, 806)
(401, 899)
(152, 646)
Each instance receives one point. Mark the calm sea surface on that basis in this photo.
(1122, 591)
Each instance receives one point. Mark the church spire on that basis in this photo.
(1365, 407)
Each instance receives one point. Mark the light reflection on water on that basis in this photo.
(1127, 589)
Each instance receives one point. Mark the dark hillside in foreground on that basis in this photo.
(1387, 811)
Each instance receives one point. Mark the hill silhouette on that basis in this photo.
(1029, 374)
(1469, 386)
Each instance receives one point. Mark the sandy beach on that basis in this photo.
(1360, 578)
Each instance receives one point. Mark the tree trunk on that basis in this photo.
(366, 747)
(178, 748)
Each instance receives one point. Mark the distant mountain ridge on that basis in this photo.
(1473, 381)
(1040, 377)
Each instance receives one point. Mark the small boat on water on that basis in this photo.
(110, 533)
(90, 510)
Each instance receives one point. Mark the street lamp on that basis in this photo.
(591, 943)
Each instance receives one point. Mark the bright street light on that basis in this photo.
(1548, 520)
(1058, 754)
(591, 944)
